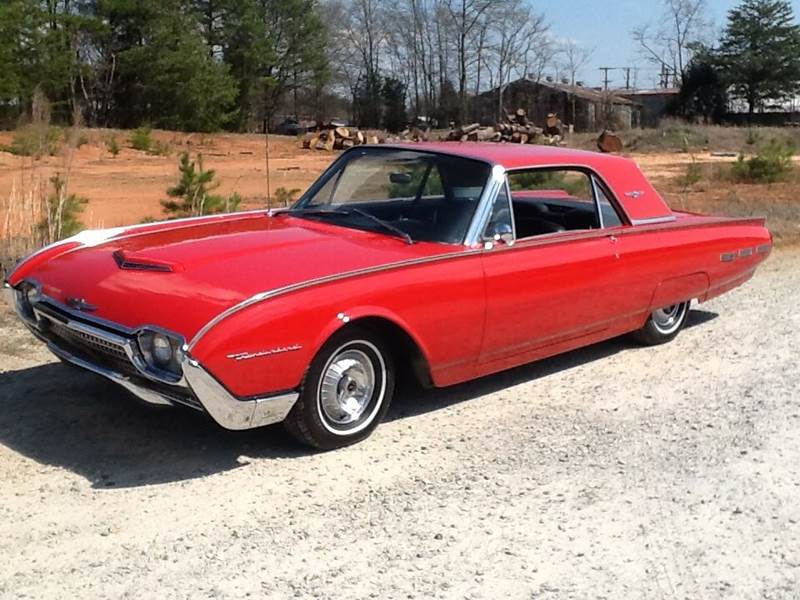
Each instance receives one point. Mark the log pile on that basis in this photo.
(337, 138)
(341, 138)
(516, 128)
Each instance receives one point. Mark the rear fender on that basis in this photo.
(680, 289)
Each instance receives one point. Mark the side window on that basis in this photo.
(610, 216)
(500, 221)
(551, 201)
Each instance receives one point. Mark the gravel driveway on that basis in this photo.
(611, 472)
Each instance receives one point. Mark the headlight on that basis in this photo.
(160, 351)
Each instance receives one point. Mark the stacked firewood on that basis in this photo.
(337, 138)
(341, 138)
(516, 128)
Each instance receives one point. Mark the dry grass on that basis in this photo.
(21, 212)
(677, 136)
(710, 188)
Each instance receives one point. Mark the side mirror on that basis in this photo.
(400, 178)
(501, 232)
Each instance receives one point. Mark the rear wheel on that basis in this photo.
(663, 325)
(346, 392)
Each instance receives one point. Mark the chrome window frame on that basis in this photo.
(485, 237)
(480, 220)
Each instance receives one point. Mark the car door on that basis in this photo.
(558, 279)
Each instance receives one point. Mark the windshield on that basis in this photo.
(415, 195)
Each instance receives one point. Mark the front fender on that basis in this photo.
(266, 346)
(357, 313)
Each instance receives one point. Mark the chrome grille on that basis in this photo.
(107, 348)
(94, 343)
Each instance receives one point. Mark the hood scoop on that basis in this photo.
(131, 262)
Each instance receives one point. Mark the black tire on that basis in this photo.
(663, 325)
(319, 418)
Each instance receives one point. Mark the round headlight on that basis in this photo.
(162, 350)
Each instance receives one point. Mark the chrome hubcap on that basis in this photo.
(667, 319)
(347, 387)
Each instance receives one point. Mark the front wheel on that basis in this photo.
(663, 324)
(346, 392)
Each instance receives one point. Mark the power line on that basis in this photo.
(606, 80)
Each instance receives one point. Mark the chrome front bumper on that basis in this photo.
(197, 389)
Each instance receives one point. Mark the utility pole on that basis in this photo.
(627, 77)
(605, 78)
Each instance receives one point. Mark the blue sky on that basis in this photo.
(605, 25)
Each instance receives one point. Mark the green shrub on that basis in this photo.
(35, 140)
(773, 163)
(112, 145)
(192, 195)
(62, 210)
(286, 197)
(693, 175)
(159, 148)
(141, 139)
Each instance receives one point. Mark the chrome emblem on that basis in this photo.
(261, 353)
(81, 305)
(636, 194)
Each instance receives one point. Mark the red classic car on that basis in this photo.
(442, 261)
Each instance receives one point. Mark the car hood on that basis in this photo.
(182, 275)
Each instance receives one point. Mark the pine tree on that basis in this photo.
(760, 52)
(193, 192)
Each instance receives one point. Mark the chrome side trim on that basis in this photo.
(654, 220)
(261, 297)
(227, 410)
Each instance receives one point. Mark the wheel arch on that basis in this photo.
(409, 353)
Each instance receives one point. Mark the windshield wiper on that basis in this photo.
(385, 224)
(330, 212)
(311, 211)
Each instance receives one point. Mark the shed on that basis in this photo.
(593, 109)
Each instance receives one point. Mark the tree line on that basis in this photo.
(203, 65)
(755, 63)
(211, 64)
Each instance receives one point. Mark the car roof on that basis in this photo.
(635, 194)
(516, 156)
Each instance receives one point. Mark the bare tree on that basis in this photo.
(520, 39)
(466, 16)
(574, 57)
(669, 44)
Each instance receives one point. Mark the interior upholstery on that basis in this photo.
(550, 215)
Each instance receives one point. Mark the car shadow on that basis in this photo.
(413, 400)
(61, 416)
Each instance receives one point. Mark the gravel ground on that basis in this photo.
(611, 472)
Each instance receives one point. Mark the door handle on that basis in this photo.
(613, 239)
